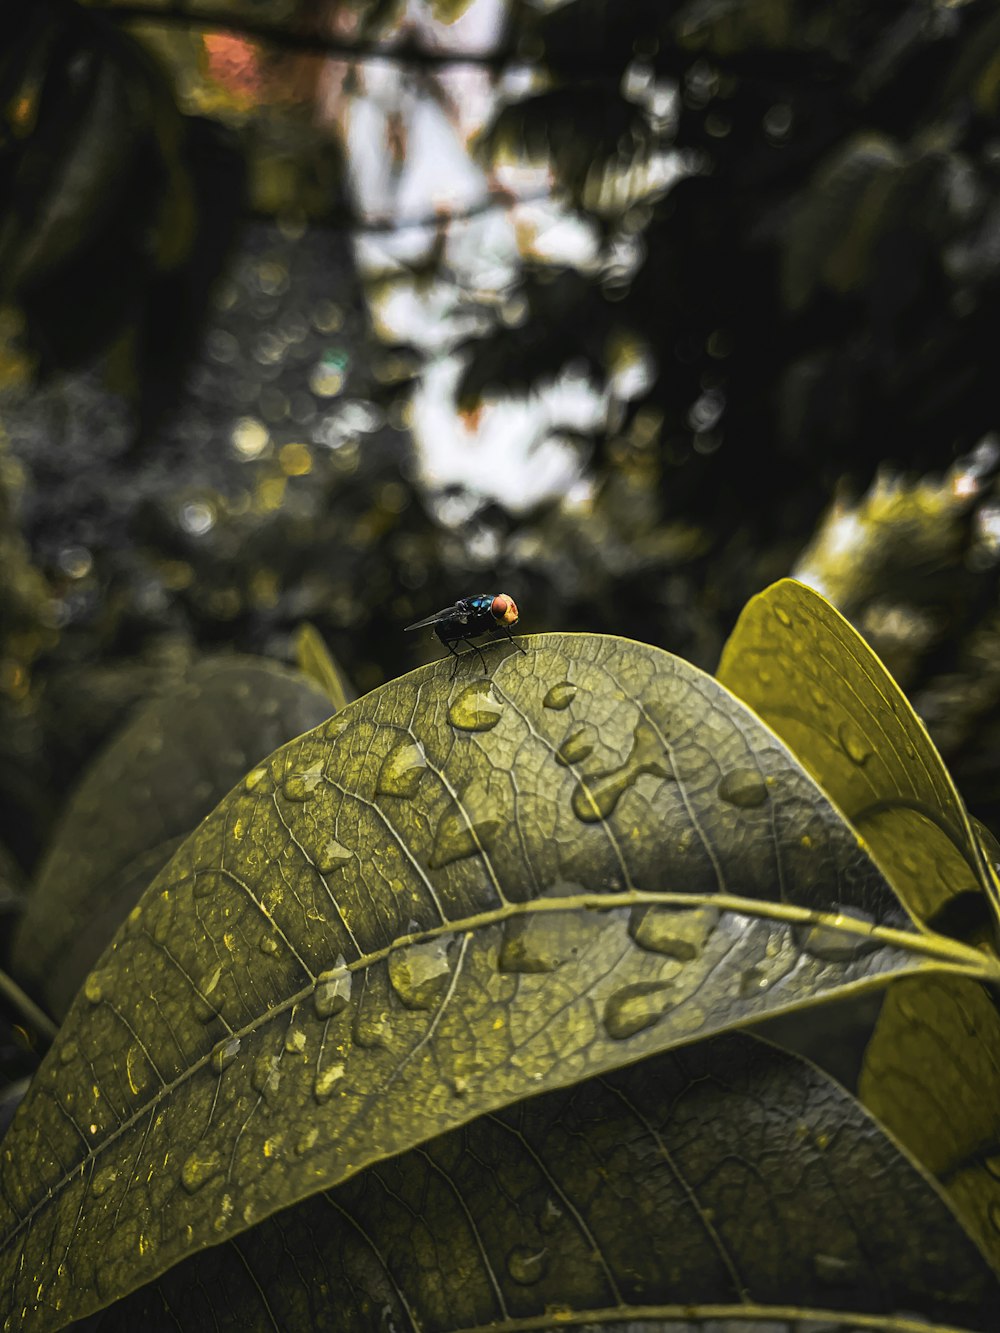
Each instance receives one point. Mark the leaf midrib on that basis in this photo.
(950, 954)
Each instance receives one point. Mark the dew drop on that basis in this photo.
(295, 1041)
(537, 942)
(753, 982)
(527, 1265)
(268, 943)
(199, 1168)
(103, 1180)
(475, 708)
(336, 726)
(634, 1008)
(853, 743)
(819, 697)
(783, 617)
(456, 838)
(677, 932)
(224, 1053)
(333, 855)
(595, 797)
(96, 987)
(419, 973)
(831, 945)
(333, 990)
(302, 786)
(560, 696)
(254, 778)
(576, 747)
(265, 1076)
(307, 1141)
(402, 769)
(744, 788)
(326, 1080)
(207, 1000)
(68, 1051)
(550, 1217)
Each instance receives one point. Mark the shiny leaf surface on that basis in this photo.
(812, 678)
(457, 892)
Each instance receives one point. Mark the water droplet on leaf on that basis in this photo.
(254, 778)
(307, 1141)
(295, 1041)
(302, 786)
(103, 1180)
(853, 743)
(332, 855)
(333, 990)
(265, 1076)
(560, 696)
(475, 708)
(576, 747)
(527, 1265)
(96, 987)
(456, 838)
(199, 1168)
(677, 932)
(419, 973)
(537, 942)
(268, 943)
(224, 1053)
(326, 1080)
(596, 796)
(744, 788)
(783, 617)
(636, 1007)
(402, 769)
(832, 945)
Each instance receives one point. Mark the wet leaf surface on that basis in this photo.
(166, 769)
(405, 919)
(812, 678)
(728, 1174)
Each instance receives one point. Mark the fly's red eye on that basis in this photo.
(504, 609)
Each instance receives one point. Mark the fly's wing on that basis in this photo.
(457, 612)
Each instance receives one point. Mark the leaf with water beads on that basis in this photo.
(730, 1175)
(350, 960)
(812, 678)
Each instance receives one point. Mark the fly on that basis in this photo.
(483, 613)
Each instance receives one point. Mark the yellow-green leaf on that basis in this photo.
(313, 659)
(455, 893)
(815, 682)
(932, 1076)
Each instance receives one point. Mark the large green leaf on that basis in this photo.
(159, 777)
(725, 1177)
(454, 893)
(812, 678)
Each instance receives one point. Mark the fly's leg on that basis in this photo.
(515, 642)
(455, 653)
(481, 657)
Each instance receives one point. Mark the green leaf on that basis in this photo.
(815, 682)
(931, 1075)
(313, 659)
(455, 893)
(164, 771)
(727, 1176)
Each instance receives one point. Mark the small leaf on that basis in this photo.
(493, 919)
(314, 660)
(812, 678)
(151, 786)
(725, 1175)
